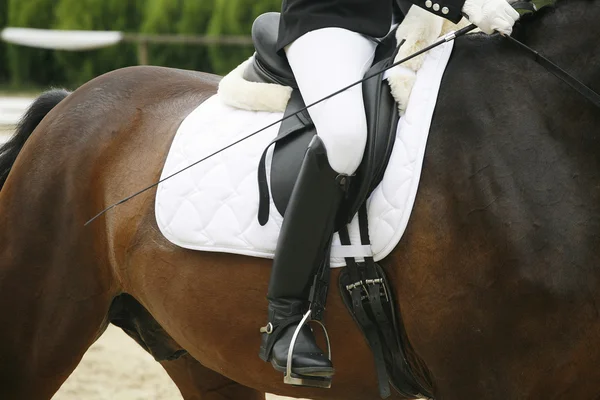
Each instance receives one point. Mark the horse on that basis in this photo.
(497, 277)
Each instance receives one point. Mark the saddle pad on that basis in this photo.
(213, 206)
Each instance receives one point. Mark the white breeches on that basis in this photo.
(324, 61)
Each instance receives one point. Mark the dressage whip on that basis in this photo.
(444, 39)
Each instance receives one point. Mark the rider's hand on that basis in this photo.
(491, 15)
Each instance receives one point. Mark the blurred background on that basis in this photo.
(158, 32)
(204, 35)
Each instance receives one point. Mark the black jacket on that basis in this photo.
(369, 17)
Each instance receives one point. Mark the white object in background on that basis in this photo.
(12, 109)
(61, 40)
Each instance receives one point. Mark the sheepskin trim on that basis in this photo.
(237, 92)
(401, 84)
(419, 29)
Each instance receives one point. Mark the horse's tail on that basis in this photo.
(30, 120)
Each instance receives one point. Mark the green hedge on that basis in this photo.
(21, 66)
(120, 15)
(25, 66)
(178, 17)
(3, 58)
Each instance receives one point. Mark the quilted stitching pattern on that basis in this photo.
(213, 206)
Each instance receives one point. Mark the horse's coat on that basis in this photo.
(497, 280)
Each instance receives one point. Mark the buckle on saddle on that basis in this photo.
(382, 288)
(303, 380)
(365, 291)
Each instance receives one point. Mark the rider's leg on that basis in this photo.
(323, 61)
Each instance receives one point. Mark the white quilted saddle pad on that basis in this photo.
(213, 206)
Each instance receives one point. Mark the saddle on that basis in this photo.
(295, 134)
(364, 285)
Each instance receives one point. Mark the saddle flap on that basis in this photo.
(382, 119)
(296, 134)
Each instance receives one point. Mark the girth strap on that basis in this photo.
(359, 313)
(368, 296)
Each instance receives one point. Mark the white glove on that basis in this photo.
(491, 15)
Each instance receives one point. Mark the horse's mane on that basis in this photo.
(541, 13)
(544, 12)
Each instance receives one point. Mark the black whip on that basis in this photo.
(447, 38)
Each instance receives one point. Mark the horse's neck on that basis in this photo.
(567, 34)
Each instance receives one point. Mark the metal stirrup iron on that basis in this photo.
(303, 380)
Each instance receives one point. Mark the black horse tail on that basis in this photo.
(30, 120)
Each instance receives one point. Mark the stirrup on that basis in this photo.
(303, 380)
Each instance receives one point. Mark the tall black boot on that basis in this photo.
(306, 232)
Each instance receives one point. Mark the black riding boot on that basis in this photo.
(306, 232)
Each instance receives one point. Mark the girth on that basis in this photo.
(369, 298)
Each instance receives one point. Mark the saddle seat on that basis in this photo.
(270, 66)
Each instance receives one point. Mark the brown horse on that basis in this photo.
(497, 276)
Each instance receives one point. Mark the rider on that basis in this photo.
(329, 44)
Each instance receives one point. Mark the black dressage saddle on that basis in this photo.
(363, 285)
(296, 132)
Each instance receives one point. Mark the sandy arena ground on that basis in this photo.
(116, 368)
